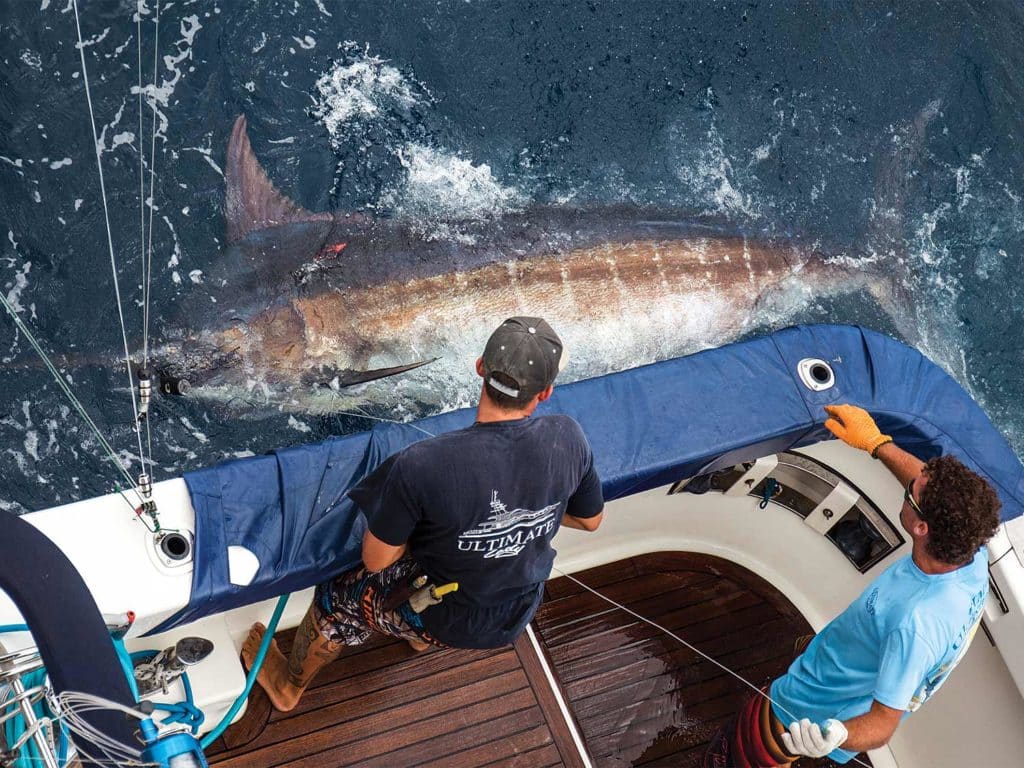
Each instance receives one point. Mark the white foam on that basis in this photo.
(193, 430)
(94, 39)
(307, 42)
(20, 282)
(360, 90)
(207, 154)
(32, 59)
(175, 259)
(32, 444)
(159, 97)
(60, 163)
(440, 184)
(299, 426)
(708, 173)
(101, 142)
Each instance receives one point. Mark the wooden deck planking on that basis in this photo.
(639, 697)
(642, 697)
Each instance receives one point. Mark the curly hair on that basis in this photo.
(961, 509)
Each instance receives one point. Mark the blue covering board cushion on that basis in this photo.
(648, 426)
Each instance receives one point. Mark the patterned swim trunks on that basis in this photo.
(350, 607)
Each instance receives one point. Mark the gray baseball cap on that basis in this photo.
(525, 350)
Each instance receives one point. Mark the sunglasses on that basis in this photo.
(908, 497)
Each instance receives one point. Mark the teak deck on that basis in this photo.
(638, 696)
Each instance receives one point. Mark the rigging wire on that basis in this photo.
(142, 174)
(110, 237)
(152, 180)
(75, 402)
(147, 248)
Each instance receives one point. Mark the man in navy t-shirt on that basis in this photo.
(476, 508)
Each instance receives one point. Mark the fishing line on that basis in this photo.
(699, 652)
(142, 174)
(110, 237)
(70, 395)
(359, 413)
(152, 180)
(147, 249)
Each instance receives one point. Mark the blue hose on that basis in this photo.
(184, 712)
(250, 679)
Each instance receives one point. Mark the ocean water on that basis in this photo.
(884, 135)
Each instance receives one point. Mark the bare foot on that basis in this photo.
(417, 645)
(273, 675)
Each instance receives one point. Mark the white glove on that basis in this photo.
(806, 738)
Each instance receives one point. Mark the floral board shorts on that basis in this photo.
(352, 606)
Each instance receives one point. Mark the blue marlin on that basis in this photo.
(303, 305)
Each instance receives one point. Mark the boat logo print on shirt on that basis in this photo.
(507, 531)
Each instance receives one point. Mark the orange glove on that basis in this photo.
(854, 426)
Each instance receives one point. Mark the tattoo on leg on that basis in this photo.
(310, 645)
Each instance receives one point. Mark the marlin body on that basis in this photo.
(303, 305)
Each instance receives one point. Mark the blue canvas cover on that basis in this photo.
(648, 427)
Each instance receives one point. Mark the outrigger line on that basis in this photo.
(144, 486)
(71, 396)
(146, 254)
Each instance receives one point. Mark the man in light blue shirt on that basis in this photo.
(894, 645)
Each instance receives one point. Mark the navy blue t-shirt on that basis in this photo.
(480, 506)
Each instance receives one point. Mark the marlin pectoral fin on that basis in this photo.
(252, 201)
(348, 378)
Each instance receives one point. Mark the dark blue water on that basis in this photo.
(887, 134)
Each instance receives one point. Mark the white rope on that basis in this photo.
(147, 248)
(142, 173)
(73, 704)
(110, 238)
(696, 650)
(139, 5)
(152, 182)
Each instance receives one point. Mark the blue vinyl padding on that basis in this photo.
(648, 427)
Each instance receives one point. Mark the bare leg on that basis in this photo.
(285, 679)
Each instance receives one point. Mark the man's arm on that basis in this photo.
(582, 523)
(378, 555)
(873, 729)
(855, 427)
(904, 465)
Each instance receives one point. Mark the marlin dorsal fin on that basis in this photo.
(252, 200)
